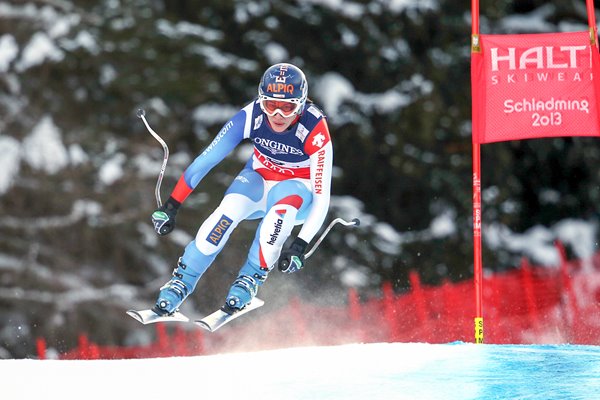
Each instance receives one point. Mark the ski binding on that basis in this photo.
(219, 318)
(150, 317)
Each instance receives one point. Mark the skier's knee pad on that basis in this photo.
(294, 193)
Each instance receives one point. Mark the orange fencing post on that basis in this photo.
(299, 320)
(162, 339)
(532, 310)
(420, 304)
(83, 348)
(570, 296)
(355, 314)
(353, 304)
(179, 342)
(389, 311)
(40, 345)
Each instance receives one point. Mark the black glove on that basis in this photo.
(163, 218)
(292, 258)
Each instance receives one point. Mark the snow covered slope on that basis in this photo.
(358, 371)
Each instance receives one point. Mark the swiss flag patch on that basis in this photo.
(317, 138)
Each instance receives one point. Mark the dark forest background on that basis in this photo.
(77, 248)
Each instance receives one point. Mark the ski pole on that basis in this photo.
(354, 222)
(142, 114)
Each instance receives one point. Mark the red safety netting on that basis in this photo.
(529, 304)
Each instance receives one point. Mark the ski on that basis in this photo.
(150, 317)
(219, 318)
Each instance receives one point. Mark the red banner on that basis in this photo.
(535, 85)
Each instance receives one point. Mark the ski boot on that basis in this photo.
(241, 293)
(175, 291)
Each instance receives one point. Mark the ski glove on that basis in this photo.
(163, 218)
(292, 258)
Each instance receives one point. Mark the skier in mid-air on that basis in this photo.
(286, 182)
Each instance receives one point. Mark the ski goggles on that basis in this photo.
(285, 108)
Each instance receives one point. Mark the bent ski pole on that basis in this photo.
(142, 114)
(354, 222)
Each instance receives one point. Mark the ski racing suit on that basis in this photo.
(286, 182)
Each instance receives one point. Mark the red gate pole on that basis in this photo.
(591, 12)
(477, 261)
(480, 135)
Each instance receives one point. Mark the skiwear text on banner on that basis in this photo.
(529, 86)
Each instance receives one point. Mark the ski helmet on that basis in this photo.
(283, 87)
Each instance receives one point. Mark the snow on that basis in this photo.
(159, 106)
(275, 53)
(8, 51)
(112, 170)
(80, 209)
(9, 162)
(386, 239)
(146, 166)
(216, 58)
(182, 29)
(444, 225)
(579, 234)
(355, 10)
(333, 90)
(354, 371)
(537, 243)
(43, 148)
(539, 20)
(534, 22)
(400, 5)
(77, 155)
(39, 49)
(213, 113)
(87, 41)
(354, 277)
